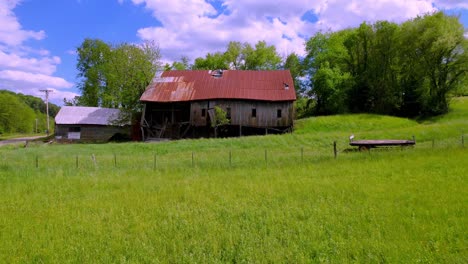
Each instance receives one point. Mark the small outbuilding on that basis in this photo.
(180, 104)
(90, 124)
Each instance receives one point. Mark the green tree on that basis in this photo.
(233, 55)
(220, 119)
(215, 61)
(294, 65)
(15, 115)
(115, 76)
(385, 68)
(262, 57)
(435, 54)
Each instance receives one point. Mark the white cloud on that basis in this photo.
(44, 65)
(23, 68)
(195, 27)
(34, 79)
(11, 32)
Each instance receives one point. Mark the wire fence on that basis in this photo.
(37, 159)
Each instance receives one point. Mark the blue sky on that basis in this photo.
(38, 38)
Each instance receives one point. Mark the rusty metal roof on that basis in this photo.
(179, 86)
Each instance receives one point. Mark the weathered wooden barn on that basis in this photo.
(181, 104)
(90, 124)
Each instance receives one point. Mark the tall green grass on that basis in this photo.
(299, 205)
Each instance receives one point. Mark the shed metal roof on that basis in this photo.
(178, 86)
(82, 115)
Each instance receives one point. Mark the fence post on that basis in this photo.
(302, 154)
(93, 158)
(37, 162)
(334, 148)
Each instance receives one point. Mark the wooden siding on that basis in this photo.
(90, 133)
(241, 113)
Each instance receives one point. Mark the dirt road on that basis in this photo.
(18, 140)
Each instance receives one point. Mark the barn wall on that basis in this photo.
(91, 132)
(241, 113)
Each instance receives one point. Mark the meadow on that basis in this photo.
(276, 198)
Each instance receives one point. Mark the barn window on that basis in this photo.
(203, 112)
(278, 113)
(228, 113)
(254, 112)
(74, 129)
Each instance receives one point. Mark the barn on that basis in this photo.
(89, 124)
(179, 104)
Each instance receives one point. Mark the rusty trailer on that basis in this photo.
(368, 144)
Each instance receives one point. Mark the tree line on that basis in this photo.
(407, 69)
(20, 113)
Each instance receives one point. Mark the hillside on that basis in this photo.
(277, 198)
(19, 112)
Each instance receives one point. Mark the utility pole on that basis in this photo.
(47, 91)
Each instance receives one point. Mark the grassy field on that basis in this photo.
(254, 199)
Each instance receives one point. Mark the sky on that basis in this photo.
(38, 38)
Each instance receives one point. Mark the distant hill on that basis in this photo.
(21, 113)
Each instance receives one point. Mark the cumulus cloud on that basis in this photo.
(11, 32)
(34, 79)
(196, 27)
(23, 68)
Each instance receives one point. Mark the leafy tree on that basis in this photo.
(436, 55)
(294, 65)
(211, 62)
(220, 119)
(15, 115)
(115, 75)
(241, 57)
(233, 55)
(385, 68)
(262, 57)
(181, 65)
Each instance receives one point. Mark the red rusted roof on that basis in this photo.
(177, 86)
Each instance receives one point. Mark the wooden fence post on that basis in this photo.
(37, 162)
(302, 154)
(334, 148)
